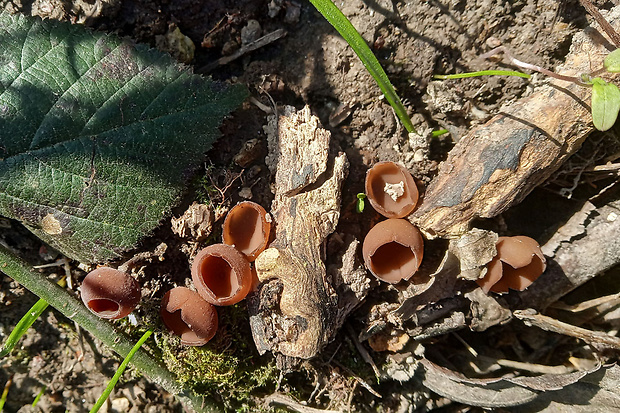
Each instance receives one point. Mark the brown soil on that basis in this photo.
(311, 65)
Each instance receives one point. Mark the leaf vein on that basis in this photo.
(64, 93)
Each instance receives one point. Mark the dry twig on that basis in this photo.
(595, 338)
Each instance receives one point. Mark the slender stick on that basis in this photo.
(72, 308)
(530, 317)
(613, 34)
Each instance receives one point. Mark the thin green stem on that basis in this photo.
(119, 372)
(335, 17)
(439, 132)
(483, 73)
(72, 308)
(26, 322)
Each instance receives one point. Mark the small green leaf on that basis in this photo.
(98, 136)
(38, 397)
(612, 61)
(605, 104)
(359, 207)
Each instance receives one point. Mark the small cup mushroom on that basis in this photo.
(246, 228)
(187, 315)
(110, 293)
(221, 274)
(391, 190)
(518, 263)
(393, 250)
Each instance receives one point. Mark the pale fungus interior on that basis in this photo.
(245, 230)
(393, 262)
(389, 176)
(103, 306)
(219, 277)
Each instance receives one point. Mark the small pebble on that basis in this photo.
(245, 193)
(250, 32)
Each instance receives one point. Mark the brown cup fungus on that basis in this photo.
(221, 274)
(110, 293)
(391, 190)
(518, 263)
(187, 315)
(246, 228)
(393, 250)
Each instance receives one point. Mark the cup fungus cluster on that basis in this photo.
(393, 248)
(221, 273)
(518, 263)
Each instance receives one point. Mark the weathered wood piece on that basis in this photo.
(594, 338)
(297, 308)
(497, 164)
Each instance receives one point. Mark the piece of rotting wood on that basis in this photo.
(497, 164)
(298, 306)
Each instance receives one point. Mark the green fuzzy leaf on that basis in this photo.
(605, 104)
(97, 135)
(612, 61)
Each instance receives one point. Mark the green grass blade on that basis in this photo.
(5, 393)
(26, 322)
(483, 73)
(23, 326)
(39, 395)
(335, 17)
(439, 132)
(119, 372)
